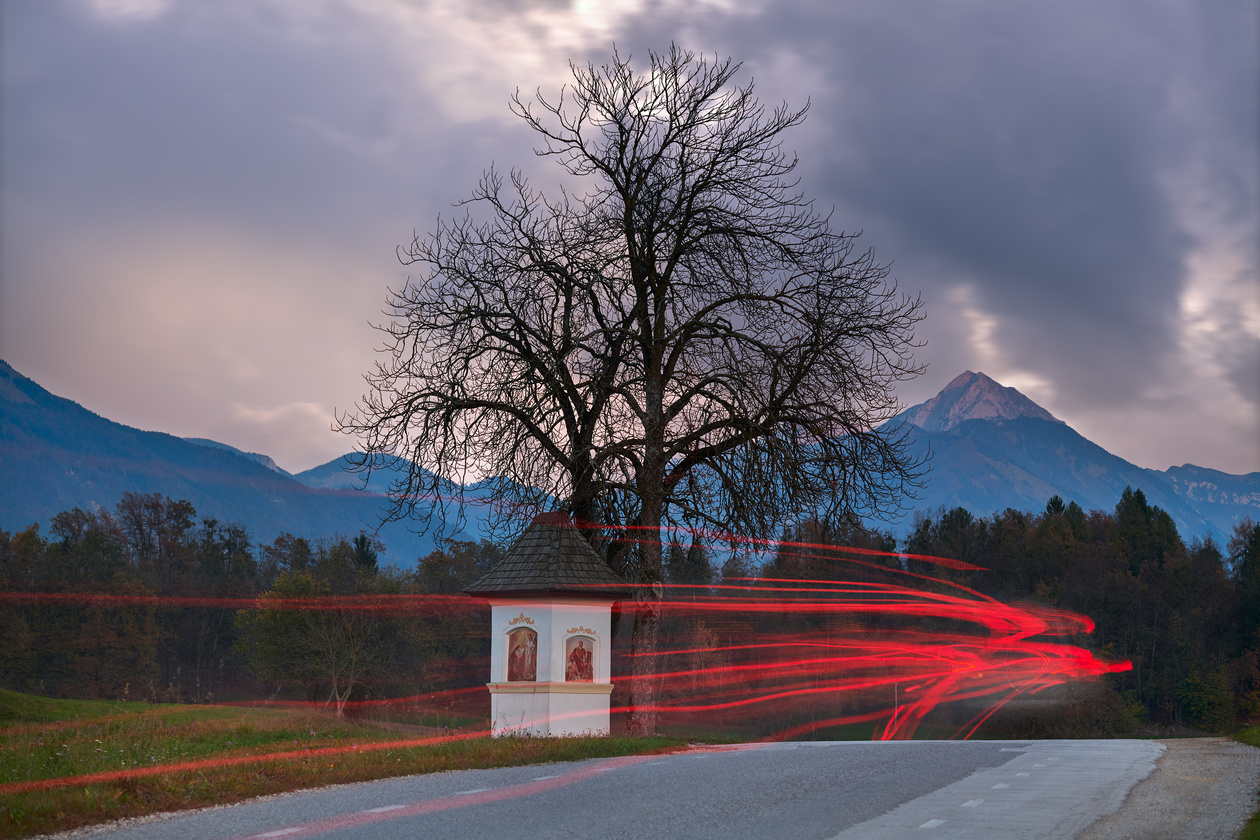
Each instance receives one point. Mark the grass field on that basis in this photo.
(69, 763)
(1251, 831)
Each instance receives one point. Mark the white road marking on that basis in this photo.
(972, 803)
(466, 792)
(653, 763)
(1109, 769)
(383, 810)
(279, 833)
(543, 778)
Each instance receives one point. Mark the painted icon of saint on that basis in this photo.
(578, 664)
(522, 663)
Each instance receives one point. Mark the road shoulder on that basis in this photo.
(1201, 787)
(1051, 790)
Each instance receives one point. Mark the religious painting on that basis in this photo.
(578, 659)
(522, 663)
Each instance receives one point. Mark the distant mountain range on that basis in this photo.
(56, 455)
(991, 448)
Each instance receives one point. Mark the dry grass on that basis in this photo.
(65, 764)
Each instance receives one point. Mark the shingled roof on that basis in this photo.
(551, 556)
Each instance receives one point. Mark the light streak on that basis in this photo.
(450, 801)
(877, 627)
(786, 657)
(229, 761)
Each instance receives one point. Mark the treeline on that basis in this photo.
(146, 602)
(1186, 615)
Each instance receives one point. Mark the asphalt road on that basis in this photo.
(930, 789)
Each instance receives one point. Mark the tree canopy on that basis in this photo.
(681, 339)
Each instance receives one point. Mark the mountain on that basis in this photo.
(56, 455)
(992, 448)
(256, 457)
(972, 396)
(1234, 496)
(340, 474)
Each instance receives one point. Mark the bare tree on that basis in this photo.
(299, 630)
(684, 343)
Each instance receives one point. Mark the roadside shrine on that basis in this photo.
(551, 601)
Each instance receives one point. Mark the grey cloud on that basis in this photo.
(216, 115)
(1023, 150)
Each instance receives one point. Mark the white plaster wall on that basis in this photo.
(551, 619)
(579, 714)
(525, 714)
(553, 707)
(550, 711)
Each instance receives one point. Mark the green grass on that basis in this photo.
(227, 748)
(1251, 831)
(1249, 735)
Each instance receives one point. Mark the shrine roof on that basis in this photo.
(551, 556)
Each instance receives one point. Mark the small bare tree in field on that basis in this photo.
(684, 342)
(300, 631)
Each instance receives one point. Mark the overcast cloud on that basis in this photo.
(201, 200)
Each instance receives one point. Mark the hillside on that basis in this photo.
(56, 455)
(993, 448)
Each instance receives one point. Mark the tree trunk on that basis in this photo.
(644, 663)
(644, 641)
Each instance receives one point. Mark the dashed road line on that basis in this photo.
(972, 803)
(932, 823)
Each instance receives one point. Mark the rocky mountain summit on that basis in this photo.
(972, 396)
(989, 447)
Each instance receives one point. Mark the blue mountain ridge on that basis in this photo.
(993, 448)
(56, 455)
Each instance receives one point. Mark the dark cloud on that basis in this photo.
(1031, 153)
(1072, 185)
(1021, 149)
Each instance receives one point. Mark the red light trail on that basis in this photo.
(882, 644)
(780, 657)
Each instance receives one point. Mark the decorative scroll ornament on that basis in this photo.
(521, 619)
(585, 630)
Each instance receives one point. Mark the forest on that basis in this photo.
(147, 602)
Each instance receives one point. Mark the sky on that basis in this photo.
(200, 200)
